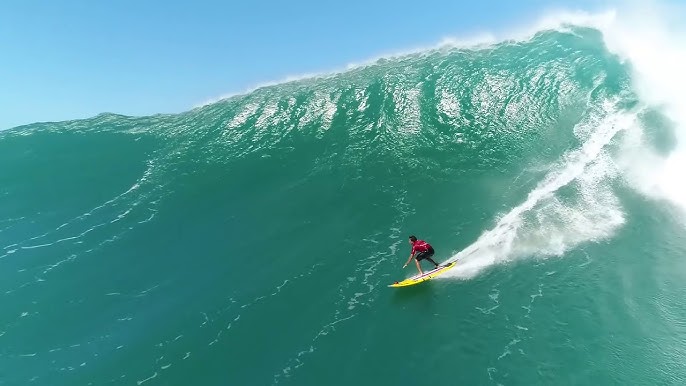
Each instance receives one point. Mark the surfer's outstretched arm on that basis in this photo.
(408, 260)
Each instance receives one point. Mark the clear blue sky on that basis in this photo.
(73, 59)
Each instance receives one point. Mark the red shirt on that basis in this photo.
(420, 246)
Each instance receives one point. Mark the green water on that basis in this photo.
(251, 241)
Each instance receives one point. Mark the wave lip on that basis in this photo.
(559, 20)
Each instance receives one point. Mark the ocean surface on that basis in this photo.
(251, 241)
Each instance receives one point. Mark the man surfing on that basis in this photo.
(424, 252)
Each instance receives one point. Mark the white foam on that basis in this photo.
(243, 115)
(267, 113)
(407, 107)
(651, 36)
(449, 104)
(545, 225)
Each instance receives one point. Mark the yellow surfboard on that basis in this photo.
(422, 278)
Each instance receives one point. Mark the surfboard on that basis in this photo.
(422, 278)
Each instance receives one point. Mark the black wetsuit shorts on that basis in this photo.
(423, 255)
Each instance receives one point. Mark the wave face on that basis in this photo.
(250, 241)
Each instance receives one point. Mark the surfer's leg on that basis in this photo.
(418, 267)
(420, 256)
(429, 255)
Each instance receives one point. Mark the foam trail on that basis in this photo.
(504, 241)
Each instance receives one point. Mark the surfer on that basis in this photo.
(424, 252)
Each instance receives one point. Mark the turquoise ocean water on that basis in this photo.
(251, 241)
